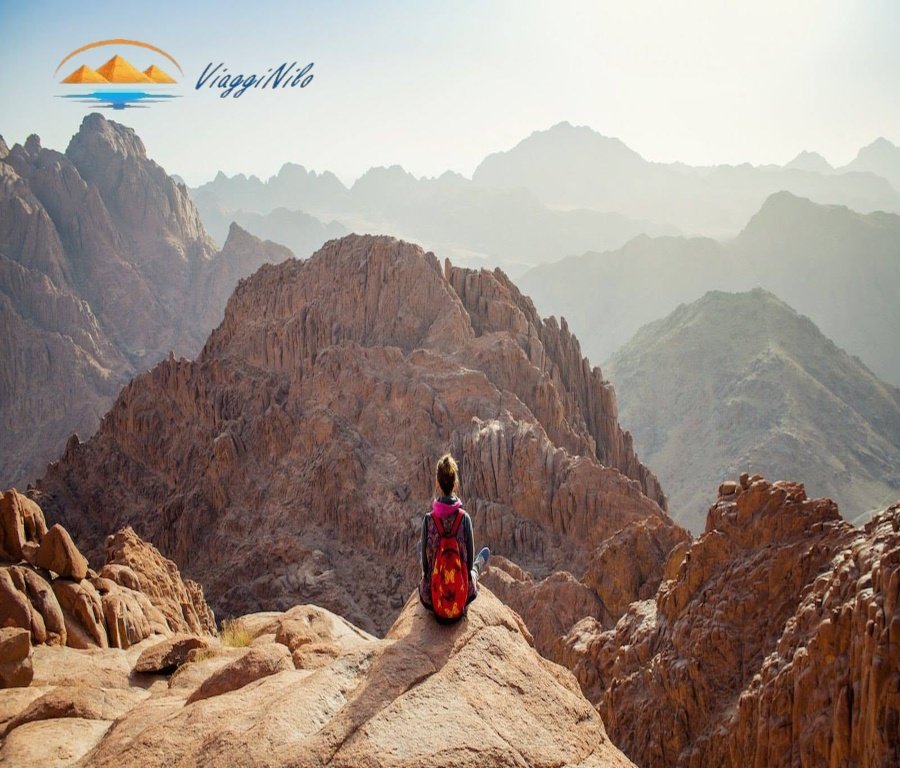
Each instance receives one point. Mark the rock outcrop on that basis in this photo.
(104, 268)
(774, 643)
(49, 592)
(375, 702)
(292, 461)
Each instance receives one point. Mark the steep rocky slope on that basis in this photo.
(341, 698)
(291, 462)
(740, 381)
(773, 641)
(104, 268)
(838, 267)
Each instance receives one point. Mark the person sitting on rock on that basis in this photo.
(450, 569)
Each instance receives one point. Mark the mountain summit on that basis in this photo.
(296, 452)
(104, 269)
(740, 382)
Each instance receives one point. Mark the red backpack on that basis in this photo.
(449, 576)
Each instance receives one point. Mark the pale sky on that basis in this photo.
(437, 86)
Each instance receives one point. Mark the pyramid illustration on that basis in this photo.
(118, 70)
(85, 74)
(157, 75)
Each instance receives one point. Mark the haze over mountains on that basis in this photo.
(839, 267)
(104, 269)
(457, 219)
(559, 192)
(576, 167)
(740, 382)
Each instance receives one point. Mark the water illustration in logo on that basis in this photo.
(113, 85)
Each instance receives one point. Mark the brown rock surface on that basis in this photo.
(253, 665)
(104, 268)
(138, 566)
(59, 554)
(82, 609)
(16, 670)
(168, 655)
(368, 705)
(774, 644)
(139, 592)
(292, 461)
(21, 523)
(28, 601)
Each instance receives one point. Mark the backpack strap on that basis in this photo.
(441, 525)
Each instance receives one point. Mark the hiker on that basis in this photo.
(450, 569)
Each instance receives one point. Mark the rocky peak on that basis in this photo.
(321, 402)
(99, 138)
(779, 612)
(143, 199)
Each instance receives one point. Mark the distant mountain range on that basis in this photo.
(450, 215)
(557, 193)
(104, 269)
(839, 267)
(739, 382)
(575, 167)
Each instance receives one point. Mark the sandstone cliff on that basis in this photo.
(104, 268)
(773, 641)
(292, 461)
(475, 693)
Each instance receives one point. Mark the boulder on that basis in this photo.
(27, 601)
(168, 655)
(256, 663)
(82, 609)
(21, 522)
(16, 670)
(59, 554)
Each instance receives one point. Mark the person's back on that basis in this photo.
(450, 568)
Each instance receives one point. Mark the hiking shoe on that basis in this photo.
(481, 560)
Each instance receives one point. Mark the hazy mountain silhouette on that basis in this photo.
(569, 166)
(837, 266)
(880, 157)
(450, 215)
(810, 161)
(740, 382)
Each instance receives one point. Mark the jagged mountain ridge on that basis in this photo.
(739, 381)
(317, 408)
(838, 267)
(472, 225)
(104, 269)
(771, 641)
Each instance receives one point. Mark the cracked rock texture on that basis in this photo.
(292, 460)
(773, 641)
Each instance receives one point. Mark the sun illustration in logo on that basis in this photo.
(108, 78)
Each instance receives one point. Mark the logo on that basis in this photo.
(118, 84)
